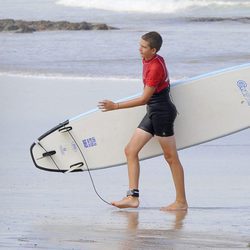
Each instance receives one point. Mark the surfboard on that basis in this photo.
(209, 106)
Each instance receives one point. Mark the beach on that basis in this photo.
(46, 210)
(49, 77)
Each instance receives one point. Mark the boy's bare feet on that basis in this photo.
(127, 202)
(176, 206)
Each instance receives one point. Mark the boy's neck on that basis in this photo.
(150, 58)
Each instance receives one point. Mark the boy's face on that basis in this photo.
(146, 51)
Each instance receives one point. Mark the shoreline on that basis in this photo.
(65, 76)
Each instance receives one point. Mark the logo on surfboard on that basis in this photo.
(244, 90)
(89, 142)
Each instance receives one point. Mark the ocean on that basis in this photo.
(194, 42)
(48, 77)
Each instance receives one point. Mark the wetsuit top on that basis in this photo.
(161, 112)
(155, 73)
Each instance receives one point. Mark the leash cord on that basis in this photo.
(86, 164)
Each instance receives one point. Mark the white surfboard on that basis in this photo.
(209, 106)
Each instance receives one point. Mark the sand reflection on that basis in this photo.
(138, 231)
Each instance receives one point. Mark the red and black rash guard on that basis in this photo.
(155, 73)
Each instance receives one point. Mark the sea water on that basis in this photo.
(190, 47)
(46, 210)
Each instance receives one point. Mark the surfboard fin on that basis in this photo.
(65, 129)
(74, 167)
(46, 154)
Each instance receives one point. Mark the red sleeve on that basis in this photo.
(154, 76)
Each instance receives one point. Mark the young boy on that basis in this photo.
(158, 122)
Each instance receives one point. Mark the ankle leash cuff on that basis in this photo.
(133, 192)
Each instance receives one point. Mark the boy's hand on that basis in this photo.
(107, 105)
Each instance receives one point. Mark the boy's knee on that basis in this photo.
(170, 158)
(129, 151)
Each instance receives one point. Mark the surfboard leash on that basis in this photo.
(86, 164)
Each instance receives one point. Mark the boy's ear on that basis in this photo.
(154, 50)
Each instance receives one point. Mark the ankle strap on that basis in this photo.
(133, 192)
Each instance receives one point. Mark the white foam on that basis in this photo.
(159, 6)
(66, 77)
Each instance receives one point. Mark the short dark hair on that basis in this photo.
(154, 39)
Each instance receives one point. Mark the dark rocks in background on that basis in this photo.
(21, 26)
(220, 19)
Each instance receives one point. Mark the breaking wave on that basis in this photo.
(152, 6)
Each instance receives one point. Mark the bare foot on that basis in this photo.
(127, 202)
(176, 206)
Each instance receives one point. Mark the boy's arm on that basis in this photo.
(107, 105)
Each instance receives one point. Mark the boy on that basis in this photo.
(158, 122)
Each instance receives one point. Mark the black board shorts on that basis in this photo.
(160, 116)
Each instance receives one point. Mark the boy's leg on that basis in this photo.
(168, 145)
(138, 140)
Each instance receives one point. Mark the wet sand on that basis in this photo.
(44, 210)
